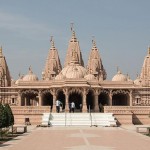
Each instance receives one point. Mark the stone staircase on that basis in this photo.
(78, 119)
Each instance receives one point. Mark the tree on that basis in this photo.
(3, 117)
(10, 120)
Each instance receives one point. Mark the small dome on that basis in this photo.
(30, 76)
(20, 79)
(137, 81)
(89, 77)
(17, 81)
(129, 79)
(119, 77)
(74, 71)
(60, 76)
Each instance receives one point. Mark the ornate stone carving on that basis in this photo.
(120, 91)
(30, 91)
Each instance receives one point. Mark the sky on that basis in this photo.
(121, 29)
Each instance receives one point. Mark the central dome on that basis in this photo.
(119, 77)
(74, 71)
(30, 76)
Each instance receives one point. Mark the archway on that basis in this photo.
(29, 98)
(90, 100)
(120, 99)
(47, 99)
(103, 100)
(61, 97)
(77, 99)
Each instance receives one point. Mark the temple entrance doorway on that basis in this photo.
(61, 97)
(90, 101)
(47, 99)
(77, 99)
(103, 100)
(120, 99)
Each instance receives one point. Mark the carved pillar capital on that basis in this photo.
(97, 92)
(53, 91)
(65, 90)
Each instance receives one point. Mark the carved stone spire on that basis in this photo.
(145, 72)
(53, 65)
(73, 45)
(5, 78)
(95, 65)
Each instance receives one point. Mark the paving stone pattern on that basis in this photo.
(79, 138)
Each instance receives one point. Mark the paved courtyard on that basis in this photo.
(79, 138)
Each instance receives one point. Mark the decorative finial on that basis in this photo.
(93, 41)
(52, 42)
(117, 68)
(30, 69)
(71, 27)
(19, 74)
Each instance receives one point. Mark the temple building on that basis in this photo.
(87, 86)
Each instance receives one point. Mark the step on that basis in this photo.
(79, 119)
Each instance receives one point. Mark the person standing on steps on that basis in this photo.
(72, 106)
(58, 106)
(69, 107)
(80, 107)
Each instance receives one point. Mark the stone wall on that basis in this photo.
(123, 114)
(34, 114)
(130, 114)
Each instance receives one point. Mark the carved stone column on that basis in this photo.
(19, 98)
(54, 102)
(66, 99)
(40, 98)
(96, 104)
(110, 98)
(131, 98)
(84, 104)
(67, 102)
(53, 92)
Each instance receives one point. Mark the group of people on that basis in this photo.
(72, 106)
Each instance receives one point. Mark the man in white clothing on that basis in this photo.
(72, 106)
(58, 106)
